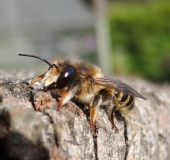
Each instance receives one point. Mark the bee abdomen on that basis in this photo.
(130, 103)
(124, 100)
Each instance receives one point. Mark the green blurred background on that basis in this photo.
(140, 39)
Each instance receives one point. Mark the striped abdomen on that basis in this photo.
(123, 102)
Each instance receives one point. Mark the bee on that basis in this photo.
(87, 84)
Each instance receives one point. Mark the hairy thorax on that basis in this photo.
(87, 90)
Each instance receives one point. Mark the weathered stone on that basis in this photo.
(32, 129)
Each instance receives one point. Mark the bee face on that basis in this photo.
(50, 77)
(87, 84)
(59, 77)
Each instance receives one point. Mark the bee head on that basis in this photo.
(56, 77)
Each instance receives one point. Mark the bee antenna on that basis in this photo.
(28, 55)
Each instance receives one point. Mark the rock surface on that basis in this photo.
(32, 129)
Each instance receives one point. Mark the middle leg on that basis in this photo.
(95, 104)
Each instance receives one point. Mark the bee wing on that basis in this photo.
(117, 85)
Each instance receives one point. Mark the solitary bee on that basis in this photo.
(87, 84)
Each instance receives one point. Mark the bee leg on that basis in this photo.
(93, 112)
(110, 113)
(66, 96)
(32, 82)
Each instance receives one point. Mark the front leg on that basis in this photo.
(66, 95)
(32, 82)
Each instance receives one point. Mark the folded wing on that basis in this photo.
(118, 86)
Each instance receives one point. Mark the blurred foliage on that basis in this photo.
(140, 38)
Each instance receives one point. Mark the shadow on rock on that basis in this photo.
(15, 146)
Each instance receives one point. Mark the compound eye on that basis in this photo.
(65, 77)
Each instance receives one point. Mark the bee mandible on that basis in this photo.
(87, 84)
